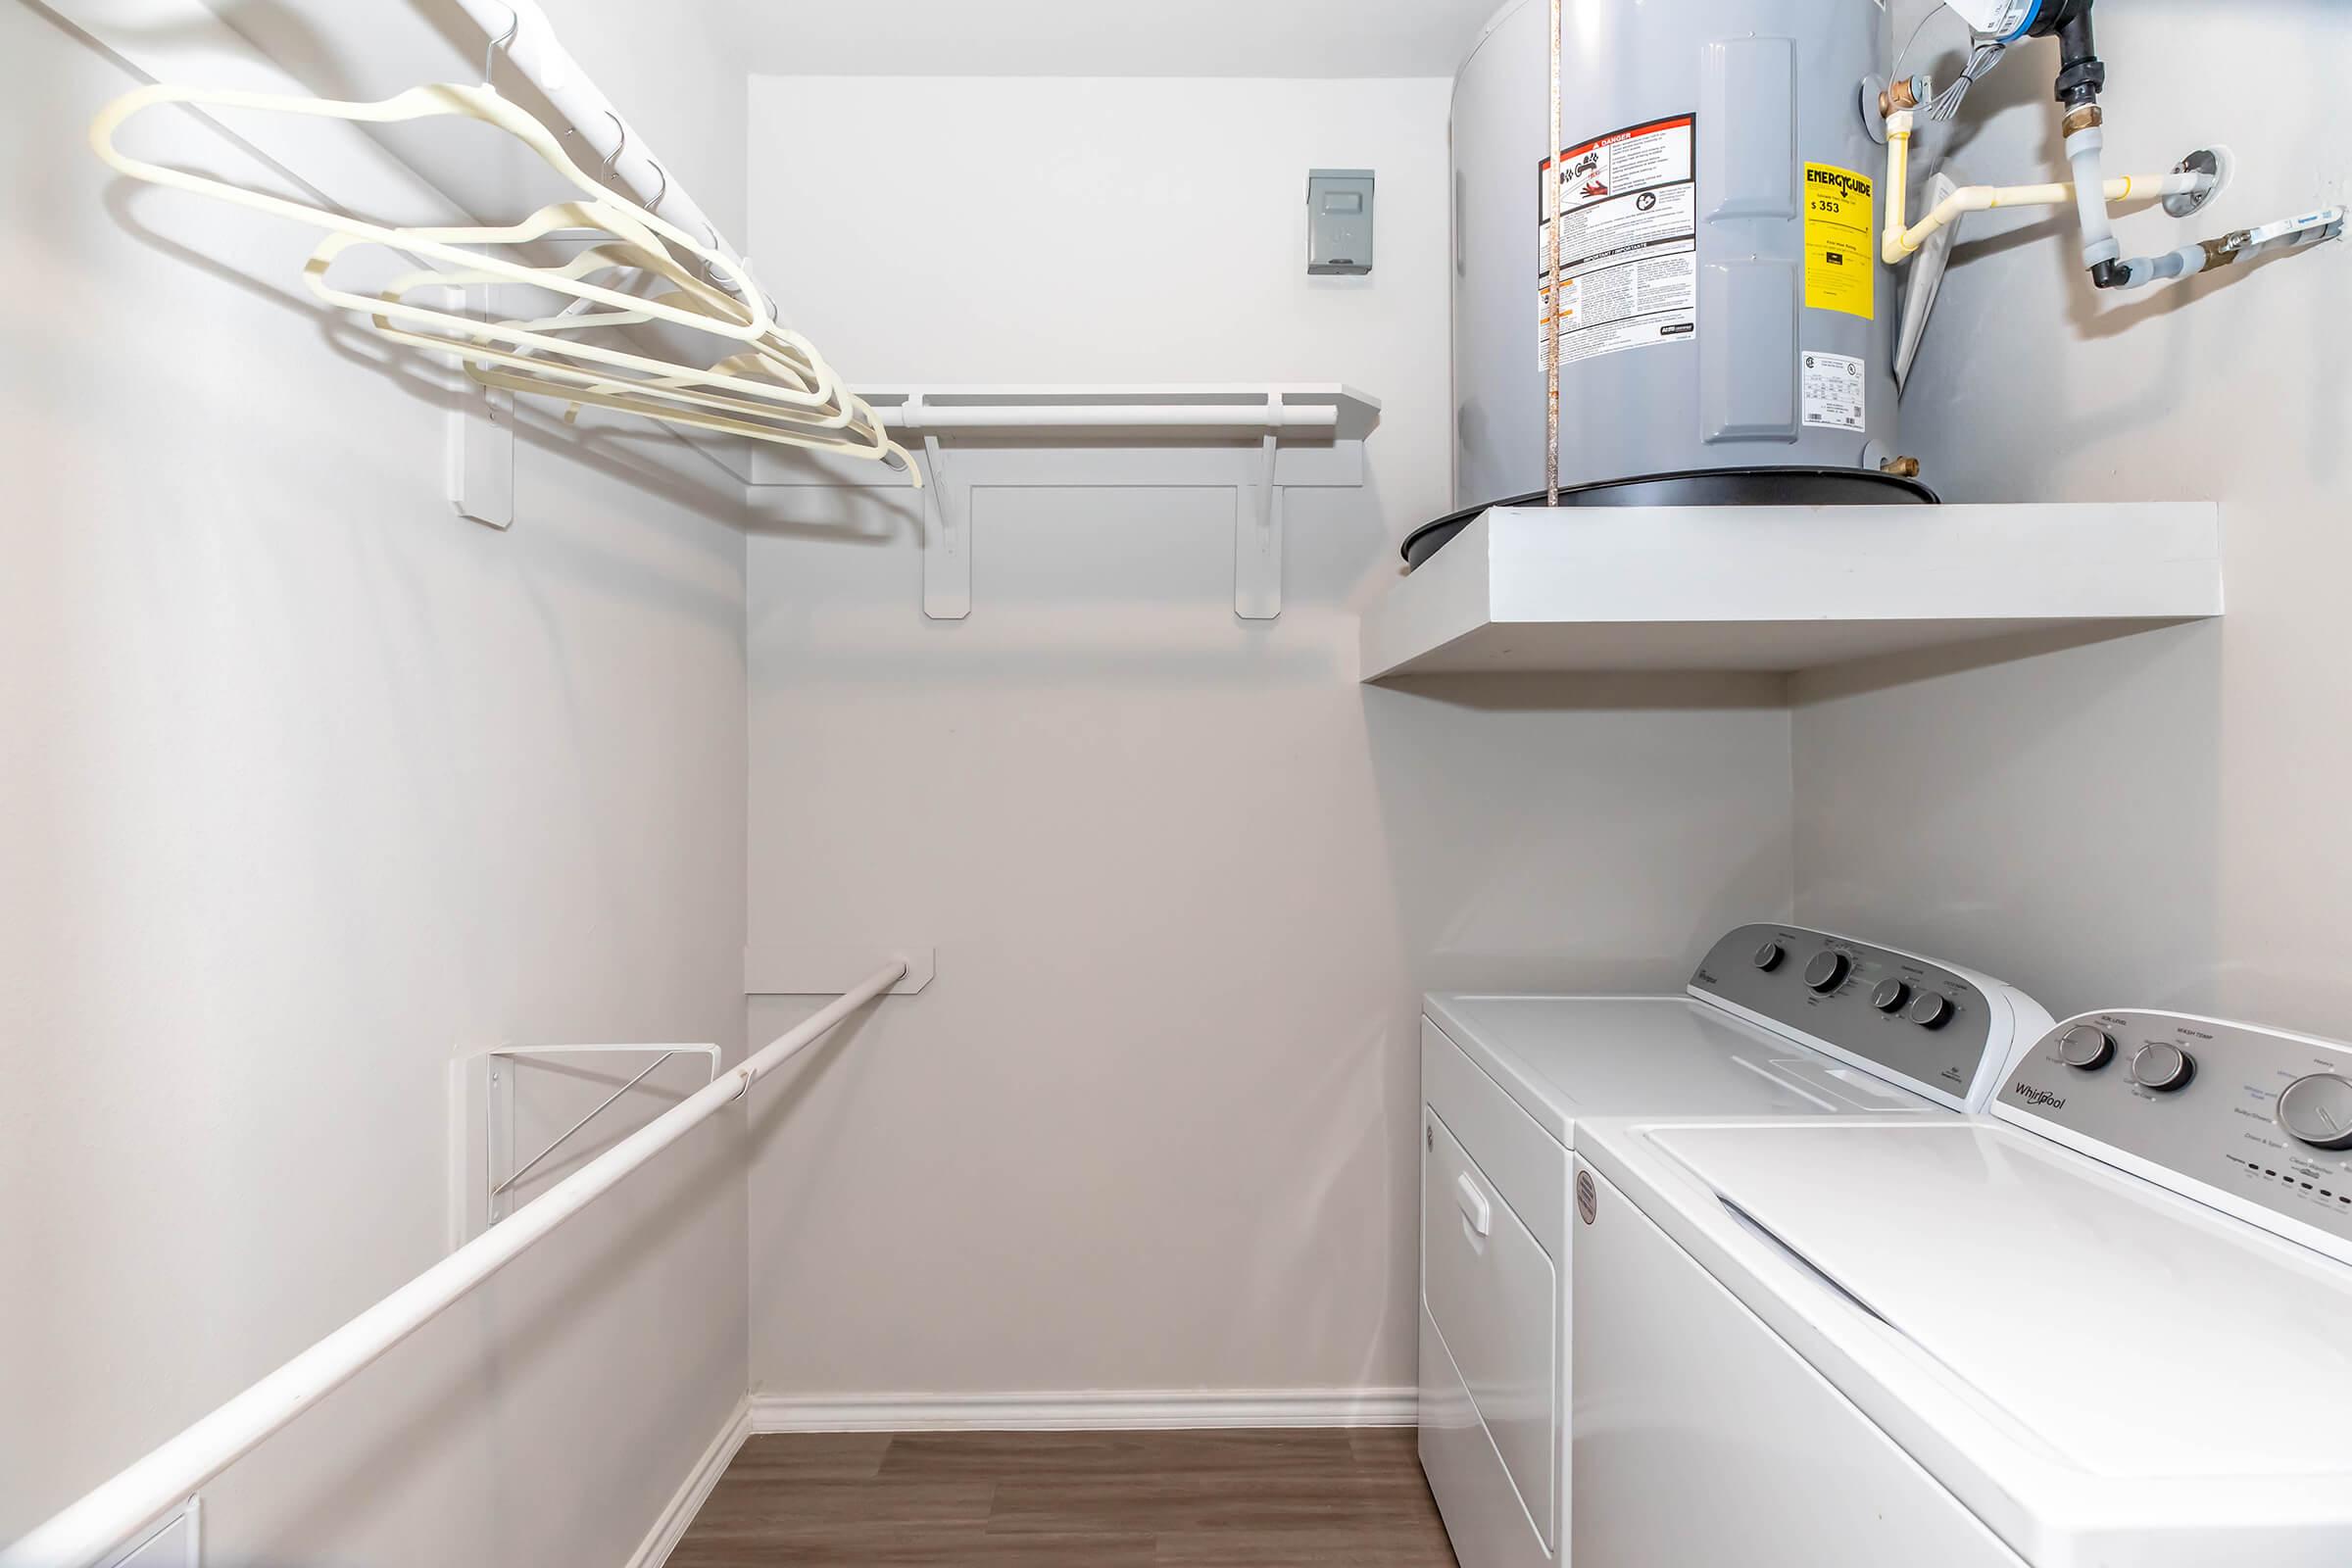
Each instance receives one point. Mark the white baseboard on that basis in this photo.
(694, 1492)
(1174, 1409)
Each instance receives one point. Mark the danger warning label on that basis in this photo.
(1628, 215)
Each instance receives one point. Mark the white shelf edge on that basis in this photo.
(1783, 589)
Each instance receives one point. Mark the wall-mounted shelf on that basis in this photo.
(1785, 588)
(1258, 440)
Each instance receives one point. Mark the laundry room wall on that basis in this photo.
(1153, 1126)
(2154, 819)
(309, 786)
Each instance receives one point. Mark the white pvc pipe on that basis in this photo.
(1901, 245)
(87, 1531)
(1137, 417)
(535, 54)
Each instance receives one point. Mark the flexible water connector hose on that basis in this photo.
(2240, 245)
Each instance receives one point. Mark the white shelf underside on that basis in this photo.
(1786, 588)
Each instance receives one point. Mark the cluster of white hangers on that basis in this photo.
(765, 382)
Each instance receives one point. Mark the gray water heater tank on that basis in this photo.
(1729, 328)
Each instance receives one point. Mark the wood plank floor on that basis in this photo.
(1106, 1499)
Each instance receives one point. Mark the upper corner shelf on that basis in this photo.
(1785, 588)
(1327, 409)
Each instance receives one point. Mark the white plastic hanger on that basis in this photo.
(774, 386)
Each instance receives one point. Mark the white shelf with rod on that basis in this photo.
(1785, 588)
(1258, 440)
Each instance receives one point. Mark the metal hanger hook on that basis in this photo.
(662, 194)
(491, 49)
(711, 268)
(623, 126)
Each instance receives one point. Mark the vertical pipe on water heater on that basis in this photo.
(1551, 195)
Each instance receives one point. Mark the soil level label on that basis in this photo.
(1842, 271)
(1629, 242)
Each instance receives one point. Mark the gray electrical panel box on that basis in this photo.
(1339, 221)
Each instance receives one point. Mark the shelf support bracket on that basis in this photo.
(946, 538)
(498, 1105)
(1258, 539)
(481, 438)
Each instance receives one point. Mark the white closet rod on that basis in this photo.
(520, 30)
(1108, 417)
(87, 1532)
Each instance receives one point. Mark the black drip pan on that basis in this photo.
(1715, 487)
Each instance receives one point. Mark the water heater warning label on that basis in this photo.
(1841, 257)
(1628, 206)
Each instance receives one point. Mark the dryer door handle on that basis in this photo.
(1476, 1213)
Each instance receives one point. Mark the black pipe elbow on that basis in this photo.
(2082, 74)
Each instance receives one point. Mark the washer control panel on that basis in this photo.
(2258, 1121)
(1907, 1019)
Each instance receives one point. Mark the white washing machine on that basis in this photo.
(1777, 1021)
(2110, 1324)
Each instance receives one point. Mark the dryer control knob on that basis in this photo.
(1769, 956)
(2318, 1110)
(1933, 1010)
(1828, 971)
(2163, 1068)
(2085, 1048)
(1890, 995)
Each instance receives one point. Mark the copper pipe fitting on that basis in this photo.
(2083, 119)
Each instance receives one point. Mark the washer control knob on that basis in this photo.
(2086, 1048)
(1931, 1009)
(2163, 1068)
(1769, 956)
(1890, 995)
(1828, 971)
(2318, 1110)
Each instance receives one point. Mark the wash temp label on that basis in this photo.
(1842, 271)
(1629, 242)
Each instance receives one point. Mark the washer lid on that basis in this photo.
(2132, 1332)
(1565, 1057)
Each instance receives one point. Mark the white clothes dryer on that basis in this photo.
(1776, 1021)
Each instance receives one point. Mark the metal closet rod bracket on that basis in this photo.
(500, 1109)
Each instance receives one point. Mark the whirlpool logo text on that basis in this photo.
(2038, 1096)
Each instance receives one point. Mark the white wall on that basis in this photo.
(2156, 820)
(1153, 1126)
(309, 787)
(1323, 38)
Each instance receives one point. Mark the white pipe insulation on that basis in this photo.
(2083, 150)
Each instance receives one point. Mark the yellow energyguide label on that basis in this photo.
(1842, 271)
